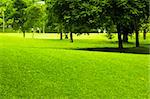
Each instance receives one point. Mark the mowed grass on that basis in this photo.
(43, 68)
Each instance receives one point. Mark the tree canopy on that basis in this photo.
(79, 16)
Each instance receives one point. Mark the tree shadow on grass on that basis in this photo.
(133, 50)
(116, 42)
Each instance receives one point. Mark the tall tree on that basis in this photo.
(128, 14)
(19, 17)
(36, 16)
(115, 10)
(145, 28)
(139, 12)
(53, 19)
(77, 16)
(4, 5)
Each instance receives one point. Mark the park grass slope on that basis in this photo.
(49, 69)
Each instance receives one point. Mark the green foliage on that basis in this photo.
(4, 9)
(109, 35)
(1, 20)
(28, 14)
(19, 16)
(76, 16)
(128, 16)
(36, 16)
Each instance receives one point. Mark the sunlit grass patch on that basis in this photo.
(49, 68)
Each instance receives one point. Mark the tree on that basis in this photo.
(127, 29)
(127, 15)
(53, 20)
(115, 10)
(145, 30)
(19, 16)
(76, 16)
(43, 19)
(35, 17)
(139, 12)
(3, 7)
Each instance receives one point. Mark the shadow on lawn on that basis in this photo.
(134, 50)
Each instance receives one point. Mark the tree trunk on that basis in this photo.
(61, 36)
(71, 37)
(33, 34)
(43, 28)
(144, 34)
(24, 34)
(119, 37)
(120, 41)
(3, 21)
(136, 31)
(66, 35)
(125, 37)
(137, 38)
(39, 30)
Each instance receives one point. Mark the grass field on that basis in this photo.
(47, 68)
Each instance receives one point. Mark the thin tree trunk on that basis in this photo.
(125, 37)
(3, 21)
(61, 36)
(39, 30)
(24, 34)
(43, 28)
(66, 35)
(71, 37)
(136, 32)
(137, 38)
(144, 34)
(120, 45)
(33, 34)
(120, 41)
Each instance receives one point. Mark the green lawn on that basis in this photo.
(43, 68)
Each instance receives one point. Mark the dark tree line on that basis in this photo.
(79, 16)
(128, 16)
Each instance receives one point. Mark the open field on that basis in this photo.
(49, 68)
